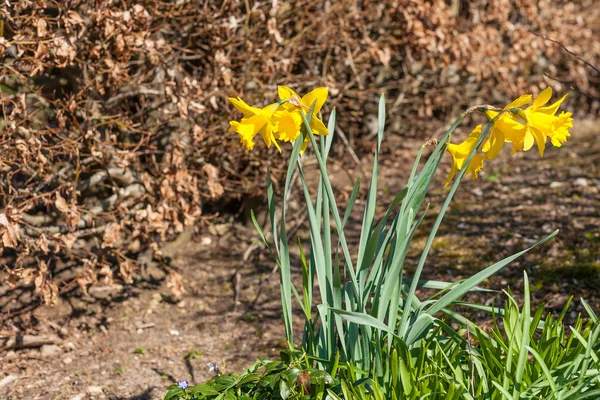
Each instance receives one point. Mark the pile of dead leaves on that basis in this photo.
(114, 113)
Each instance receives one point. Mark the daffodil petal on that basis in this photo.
(249, 127)
(285, 92)
(460, 152)
(305, 144)
(276, 144)
(511, 130)
(540, 140)
(553, 108)
(528, 140)
(318, 127)
(269, 110)
(451, 175)
(494, 144)
(317, 96)
(267, 134)
(543, 98)
(491, 114)
(560, 131)
(244, 108)
(520, 101)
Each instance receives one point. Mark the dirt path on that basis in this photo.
(133, 343)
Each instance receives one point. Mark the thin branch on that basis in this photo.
(573, 87)
(129, 92)
(350, 150)
(568, 51)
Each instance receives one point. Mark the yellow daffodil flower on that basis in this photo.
(256, 120)
(460, 153)
(506, 129)
(295, 103)
(541, 122)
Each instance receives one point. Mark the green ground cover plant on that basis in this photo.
(366, 332)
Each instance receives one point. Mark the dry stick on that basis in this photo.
(573, 87)
(353, 68)
(568, 51)
(133, 91)
(17, 341)
(350, 150)
(12, 314)
(570, 84)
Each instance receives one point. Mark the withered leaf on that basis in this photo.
(126, 269)
(215, 188)
(61, 203)
(9, 231)
(175, 283)
(41, 27)
(112, 234)
(87, 276)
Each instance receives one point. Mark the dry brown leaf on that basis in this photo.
(198, 133)
(70, 210)
(126, 270)
(64, 51)
(68, 240)
(13, 278)
(87, 276)
(41, 27)
(9, 231)
(44, 286)
(61, 203)
(28, 275)
(48, 291)
(106, 274)
(175, 283)
(42, 243)
(112, 234)
(74, 18)
(215, 188)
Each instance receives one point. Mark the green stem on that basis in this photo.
(438, 221)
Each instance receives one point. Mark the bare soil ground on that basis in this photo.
(132, 342)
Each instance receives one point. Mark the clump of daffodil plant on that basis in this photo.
(367, 334)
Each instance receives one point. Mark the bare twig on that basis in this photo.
(572, 86)
(132, 91)
(123, 175)
(350, 150)
(568, 51)
(28, 341)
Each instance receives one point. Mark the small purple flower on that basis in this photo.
(183, 384)
(212, 367)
